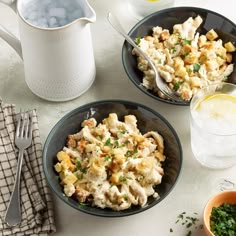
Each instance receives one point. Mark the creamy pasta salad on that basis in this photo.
(111, 164)
(186, 60)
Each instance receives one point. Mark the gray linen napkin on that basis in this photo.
(36, 204)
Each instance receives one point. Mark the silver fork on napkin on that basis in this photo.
(23, 139)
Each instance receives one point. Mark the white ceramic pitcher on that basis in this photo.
(59, 62)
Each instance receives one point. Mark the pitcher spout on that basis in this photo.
(89, 13)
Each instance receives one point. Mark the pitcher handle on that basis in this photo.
(10, 3)
(7, 36)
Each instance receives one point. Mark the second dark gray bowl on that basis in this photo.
(167, 18)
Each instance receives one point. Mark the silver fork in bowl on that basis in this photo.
(162, 86)
(23, 139)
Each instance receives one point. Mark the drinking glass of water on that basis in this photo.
(213, 125)
(142, 8)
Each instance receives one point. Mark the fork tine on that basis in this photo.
(164, 89)
(27, 125)
(173, 96)
(169, 93)
(23, 125)
(30, 126)
(18, 124)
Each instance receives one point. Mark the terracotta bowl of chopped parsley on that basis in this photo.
(219, 215)
(143, 33)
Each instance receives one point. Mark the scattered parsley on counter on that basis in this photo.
(189, 233)
(223, 220)
(189, 222)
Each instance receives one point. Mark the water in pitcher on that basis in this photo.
(213, 130)
(51, 13)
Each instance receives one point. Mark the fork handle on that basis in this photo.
(13, 213)
(116, 24)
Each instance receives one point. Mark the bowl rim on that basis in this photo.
(138, 24)
(218, 198)
(87, 105)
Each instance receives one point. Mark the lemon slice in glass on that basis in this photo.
(217, 105)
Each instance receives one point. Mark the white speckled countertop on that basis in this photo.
(196, 184)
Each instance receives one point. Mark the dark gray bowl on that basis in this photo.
(167, 18)
(147, 120)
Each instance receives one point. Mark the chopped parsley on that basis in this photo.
(123, 131)
(135, 151)
(191, 223)
(78, 165)
(196, 67)
(126, 142)
(107, 157)
(137, 40)
(122, 179)
(187, 41)
(181, 216)
(186, 54)
(189, 233)
(173, 50)
(108, 142)
(132, 153)
(223, 220)
(177, 85)
(83, 204)
(116, 143)
(84, 170)
(79, 176)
